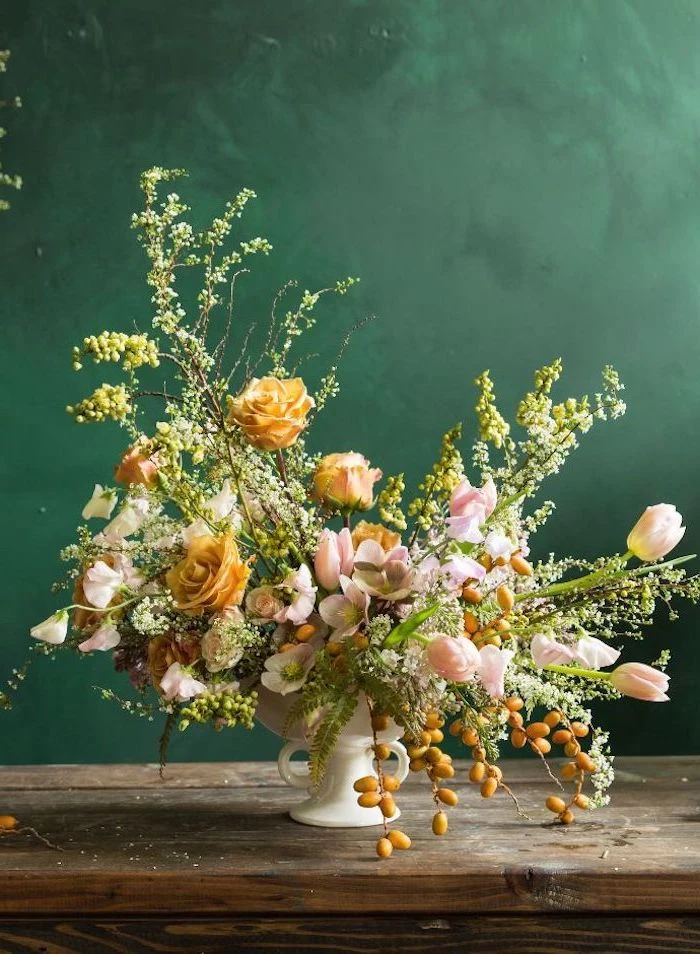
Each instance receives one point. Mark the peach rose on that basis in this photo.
(136, 468)
(211, 577)
(386, 538)
(163, 651)
(344, 482)
(271, 412)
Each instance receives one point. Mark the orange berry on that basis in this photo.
(470, 737)
(304, 632)
(555, 804)
(488, 787)
(520, 565)
(583, 801)
(391, 783)
(369, 783)
(579, 729)
(552, 719)
(384, 847)
(387, 806)
(585, 762)
(399, 840)
(571, 749)
(561, 737)
(471, 595)
(566, 817)
(505, 598)
(442, 770)
(569, 770)
(447, 796)
(471, 623)
(382, 751)
(437, 736)
(369, 799)
(477, 772)
(434, 720)
(514, 703)
(518, 738)
(439, 823)
(417, 765)
(456, 727)
(515, 720)
(544, 746)
(8, 823)
(537, 730)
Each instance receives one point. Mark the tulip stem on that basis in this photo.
(576, 671)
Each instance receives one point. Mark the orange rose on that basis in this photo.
(344, 482)
(211, 577)
(136, 468)
(163, 651)
(386, 538)
(271, 412)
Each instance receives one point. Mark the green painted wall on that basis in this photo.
(512, 180)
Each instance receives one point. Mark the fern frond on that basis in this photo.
(326, 735)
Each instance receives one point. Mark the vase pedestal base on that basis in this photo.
(310, 812)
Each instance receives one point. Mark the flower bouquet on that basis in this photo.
(234, 570)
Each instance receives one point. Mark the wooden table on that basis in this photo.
(208, 861)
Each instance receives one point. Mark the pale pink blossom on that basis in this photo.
(286, 672)
(220, 506)
(101, 583)
(457, 569)
(549, 652)
(345, 614)
(593, 653)
(334, 557)
(455, 658)
(53, 630)
(493, 663)
(101, 504)
(303, 594)
(499, 546)
(179, 685)
(470, 508)
(640, 682)
(104, 638)
(656, 533)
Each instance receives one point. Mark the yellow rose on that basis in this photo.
(271, 412)
(211, 577)
(386, 538)
(344, 482)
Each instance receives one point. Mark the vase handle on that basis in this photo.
(400, 752)
(295, 774)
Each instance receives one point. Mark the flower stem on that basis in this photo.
(576, 671)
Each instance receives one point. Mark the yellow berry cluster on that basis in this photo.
(106, 402)
(489, 777)
(131, 350)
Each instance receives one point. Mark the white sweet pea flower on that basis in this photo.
(128, 520)
(593, 653)
(101, 504)
(499, 546)
(100, 584)
(53, 630)
(179, 686)
(105, 638)
(298, 584)
(221, 506)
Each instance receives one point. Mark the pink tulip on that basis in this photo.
(640, 682)
(455, 658)
(334, 557)
(656, 533)
(549, 652)
(493, 663)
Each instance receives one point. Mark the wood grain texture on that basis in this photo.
(391, 935)
(215, 840)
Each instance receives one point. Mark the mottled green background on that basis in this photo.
(512, 180)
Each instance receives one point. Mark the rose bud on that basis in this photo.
(640, 682)
(344, 482)
(136, 468)
(656, 533)
(455, 658)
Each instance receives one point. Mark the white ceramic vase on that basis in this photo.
(334, 803)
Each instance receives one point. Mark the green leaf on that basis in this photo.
(410, 625)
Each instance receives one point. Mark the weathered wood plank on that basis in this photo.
(391, 935)
(200, 845)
